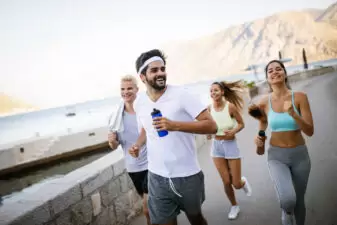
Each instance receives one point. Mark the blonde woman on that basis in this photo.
(136, 167)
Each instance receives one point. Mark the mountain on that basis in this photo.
(329, 15)
(10, 105)
(231, 50)
(315, 13)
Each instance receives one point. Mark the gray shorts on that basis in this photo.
(165, 205)
(225, 149)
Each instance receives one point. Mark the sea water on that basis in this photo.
(94, 114)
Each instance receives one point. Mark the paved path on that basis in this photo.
(262, 207)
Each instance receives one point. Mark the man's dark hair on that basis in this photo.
(146, 55)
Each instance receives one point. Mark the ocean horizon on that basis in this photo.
(96, 113)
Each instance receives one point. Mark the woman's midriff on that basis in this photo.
(223, 137)
(287, 139)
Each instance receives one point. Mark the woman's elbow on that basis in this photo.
(310, 132)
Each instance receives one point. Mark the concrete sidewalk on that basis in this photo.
(263, 207)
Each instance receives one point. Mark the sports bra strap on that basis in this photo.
(269, 99)
(293, 102)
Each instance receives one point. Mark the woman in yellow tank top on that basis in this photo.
(225, 110)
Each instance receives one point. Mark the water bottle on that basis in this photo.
(260, 150)
(157, 113)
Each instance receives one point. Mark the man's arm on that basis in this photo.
(141, 138)
(204, 124)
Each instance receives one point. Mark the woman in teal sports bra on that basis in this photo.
(288, 114)
(225, 110)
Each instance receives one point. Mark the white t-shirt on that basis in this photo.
(175, 154)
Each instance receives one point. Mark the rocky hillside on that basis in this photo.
(11, 105)
(232, 50)
(329, 15)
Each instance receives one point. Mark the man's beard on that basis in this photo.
(153, 83)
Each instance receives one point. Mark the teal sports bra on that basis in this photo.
(282, 121)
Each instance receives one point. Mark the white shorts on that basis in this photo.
(227, 149)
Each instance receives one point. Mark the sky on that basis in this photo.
(57, 52)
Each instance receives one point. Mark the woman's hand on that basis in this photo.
(112, 139)
(134, 150)
(288, 107)
(259, 141)
(230, 134)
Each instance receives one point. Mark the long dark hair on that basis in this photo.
(284, 69)
(232, 92)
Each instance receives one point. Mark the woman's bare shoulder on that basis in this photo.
(300, 96)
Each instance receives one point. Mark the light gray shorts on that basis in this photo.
(225, 149)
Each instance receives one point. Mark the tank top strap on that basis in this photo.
(226, 106)
(211, 107)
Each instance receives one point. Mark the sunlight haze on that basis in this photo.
(66, 51)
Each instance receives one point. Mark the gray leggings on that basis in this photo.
(289, 169)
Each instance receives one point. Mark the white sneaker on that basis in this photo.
(287, 219)
(247, 188)
(233, 214)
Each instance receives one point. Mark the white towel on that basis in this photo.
(116, 119)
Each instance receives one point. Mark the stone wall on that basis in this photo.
(27, 153)
(100, 193)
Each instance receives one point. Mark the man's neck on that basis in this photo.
(154, 94)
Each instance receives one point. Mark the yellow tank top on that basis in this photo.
(223, 119)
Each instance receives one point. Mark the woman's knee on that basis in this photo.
(237, 184)
(288, 203)
(226, 181)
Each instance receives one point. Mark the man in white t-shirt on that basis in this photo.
(175, 180)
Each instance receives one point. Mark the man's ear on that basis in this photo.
(142, 77)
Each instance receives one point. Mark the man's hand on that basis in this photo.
(162, 123)
(112, 139)
(134, 151)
